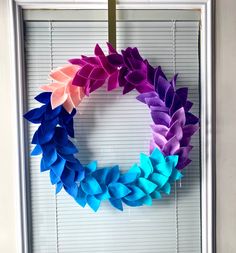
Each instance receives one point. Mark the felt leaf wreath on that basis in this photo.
(172, 128)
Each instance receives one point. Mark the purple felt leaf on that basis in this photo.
(179, 116)
(98, 73)
(160, 118)
(142, 97)
(98, 51)
(176, 104)
(95, 84)
(144, 87)
(182, 165)
(188, 106)
(91, 60)
(135, 77)
(191, 119)
(122, 73)
(162, 86)
(175, 130)
(189, 130)
(113, 81)
(159, 129)
(155, 101)
(135, 54)
(174, 80)
(77, 61)
(183, 94)
(115, 59)
(111, 49)
(106, 65)
(169, 96)
(171, 146)
(159, 108)
(159, 140)
(128, 87)
(150, 73)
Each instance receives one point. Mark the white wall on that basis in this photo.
(8, 187)
(226, 120)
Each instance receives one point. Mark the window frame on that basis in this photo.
(207, 103)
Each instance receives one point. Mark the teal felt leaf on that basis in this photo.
(165, 168)
(91, 186)
(147, 200)
(136, 193)
(117, 203)
(146, 185)
(176, 175)
(128, 178)
(92, 166)
(135, 169)
(93, 202)
(146, 165)
(166, 188)
(37, 150)
(158, 179)
(172, 158)
(156, 195)
(157, 156)
(118, 190)
(113, 175)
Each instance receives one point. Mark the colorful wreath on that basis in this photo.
(172, 128)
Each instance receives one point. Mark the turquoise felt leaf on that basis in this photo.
(105, 193)
(156, 195)
(147, 200)
(146, 185)
(146, 165)
(93, 202)
(157, 156)
(101, 175)
(135, 169)
(172, 158)
(176, 175)
(165, 168)
(136, 193)
(158, 179)
(91, 186)
(166, 188)
(128, 178)
(118, 190)
(81, 197)
(92, 166)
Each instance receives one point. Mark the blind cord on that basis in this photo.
(51, 67)
(176, 188)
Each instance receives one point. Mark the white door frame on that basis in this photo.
(207, 88)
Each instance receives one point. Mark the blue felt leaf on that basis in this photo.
(49, 154)
(146, 165)
(59, 186)
(43, 166)
(37, 150)
(58, 166)
(117, 203)
(113, 175)
(35, 115)
(54, 178)
(158, 179)
(93, 202)
(118, 190)
(51, 114)
(157, 156)
(60, 136)
(91, 186)
(128, 178)
(146, 185)
(105, 193)
(72, 190)
(81, 197)
(136, 193)
(44, 135)
(43, 97)
(101, 175)
(68, 149)
(68, 177)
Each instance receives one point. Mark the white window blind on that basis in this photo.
(112, 129)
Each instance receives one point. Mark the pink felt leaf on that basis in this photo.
(58, 97)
